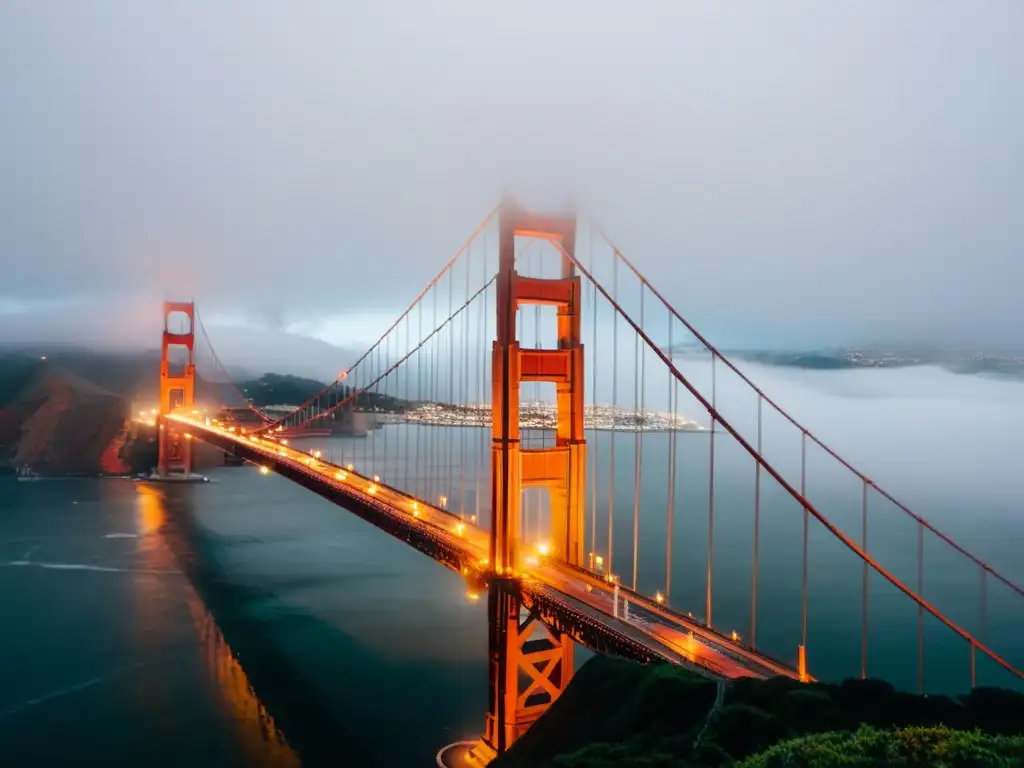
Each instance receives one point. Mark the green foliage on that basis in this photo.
(917, 745)
(280, 389)
(616, 713)
(615, 756)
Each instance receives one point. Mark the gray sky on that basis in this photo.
(785, 172)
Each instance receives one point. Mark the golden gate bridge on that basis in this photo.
(554, 361)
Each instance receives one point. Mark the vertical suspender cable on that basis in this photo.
(757, 531)
(673, 392)
(464, 398)
(920, 609)
(592, 361)
(419, 399)
(864, 586)
(711, 494)
(435, 397)
(615, 406)
(480, 384)
(448, 438)
(807, 517)
(638, 444)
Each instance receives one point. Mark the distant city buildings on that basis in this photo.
(540, 415)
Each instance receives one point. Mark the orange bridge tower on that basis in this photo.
(177, 386)
(531, 665)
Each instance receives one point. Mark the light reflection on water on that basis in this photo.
(261, 741)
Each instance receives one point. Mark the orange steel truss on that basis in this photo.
(530, 665)
(176, 391)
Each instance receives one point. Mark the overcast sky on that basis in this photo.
(816, 172)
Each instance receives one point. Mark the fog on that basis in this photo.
(804, 173)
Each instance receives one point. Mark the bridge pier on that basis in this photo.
(531, 665)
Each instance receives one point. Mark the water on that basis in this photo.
(242, 622)
(248, 622)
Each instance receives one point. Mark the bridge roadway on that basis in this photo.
(555, 589)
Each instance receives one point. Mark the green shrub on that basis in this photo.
(924, 746)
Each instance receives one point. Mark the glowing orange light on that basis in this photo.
(264, 471)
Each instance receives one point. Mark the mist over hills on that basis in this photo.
(995, 363)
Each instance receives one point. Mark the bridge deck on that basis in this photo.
(568, 598)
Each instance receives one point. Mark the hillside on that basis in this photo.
(57, 422)
(280, 389)
(70, 412)
(616, 713)
(283, 389)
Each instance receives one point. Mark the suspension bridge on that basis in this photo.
(542, 421)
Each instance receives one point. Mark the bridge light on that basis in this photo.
(543, 549)
(316, 454)
(373, 490)
(472, 518)
(735, 636)
(444, 500)
(350, 467)
(284, 441)
(188, 436)
(339, 475)
(460, 528)
(153, 411)
(376, 478)
(533, 561)
(281, 452)
(264, 471)
(659, 597)
(473, 596)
